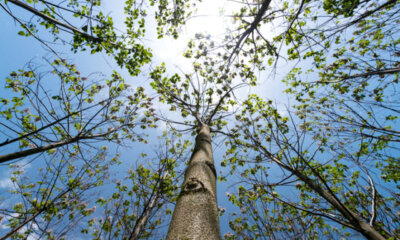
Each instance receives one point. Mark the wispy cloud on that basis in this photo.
(6, 183)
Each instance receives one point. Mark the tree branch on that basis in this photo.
(51, 19)
(253, 26)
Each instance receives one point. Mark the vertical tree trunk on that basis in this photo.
(196, 213)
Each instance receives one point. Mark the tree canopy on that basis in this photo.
(320, 161)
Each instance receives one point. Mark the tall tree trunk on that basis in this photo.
(196, 213)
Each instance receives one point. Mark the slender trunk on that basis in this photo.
(143, 220)
(14, 230)
(31, 218)
(359, 224)
(356, 221)
(196, 213)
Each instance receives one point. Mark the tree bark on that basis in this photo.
(196, 213)
(141, 224)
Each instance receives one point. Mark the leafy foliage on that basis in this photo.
(42, 119)
(325, 167)
(335, 147)
(95, 30)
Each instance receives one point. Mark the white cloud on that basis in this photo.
(6, 183)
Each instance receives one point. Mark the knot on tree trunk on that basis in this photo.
(202, 137)
(192, 186)
(205, 139)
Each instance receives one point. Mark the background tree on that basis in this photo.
(89, 27)
(53, 202)
(75, 114)
(60, 203)
(144, 198)
(313, 176)
(336, 147)
(60, 129)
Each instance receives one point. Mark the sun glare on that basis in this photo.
(208, 19)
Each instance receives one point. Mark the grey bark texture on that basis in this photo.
(196, 212)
